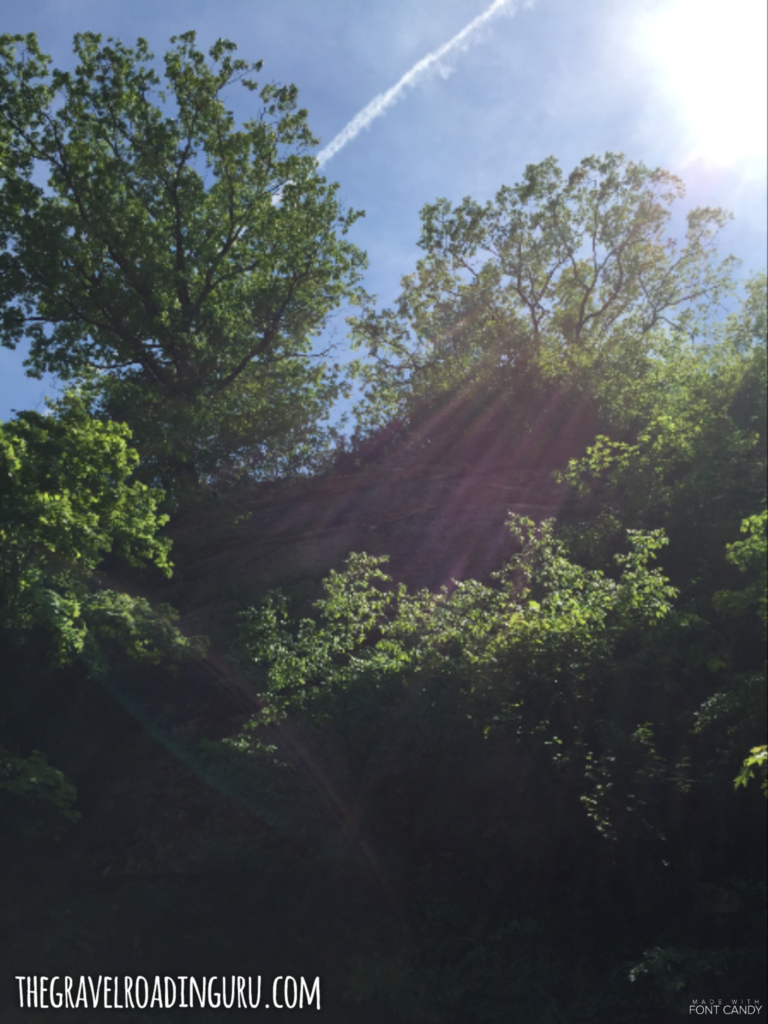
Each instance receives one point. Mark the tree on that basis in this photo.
(183, 261)
(555, 283)
(693, 438)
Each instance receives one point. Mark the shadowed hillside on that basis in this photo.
(435, 502)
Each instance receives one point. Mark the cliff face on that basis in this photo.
(437, 506)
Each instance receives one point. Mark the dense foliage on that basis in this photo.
(533, 764)
(540, 662)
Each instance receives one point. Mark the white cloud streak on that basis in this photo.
(380, 103)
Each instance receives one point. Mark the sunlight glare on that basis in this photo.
(713, 59)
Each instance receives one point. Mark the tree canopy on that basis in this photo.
(186, 262)
(560, 280)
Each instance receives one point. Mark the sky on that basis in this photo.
(418, 99)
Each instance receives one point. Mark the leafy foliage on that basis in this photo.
(521, 758)
(758, 759)
(750, 556)
(67, 502)
(693, 448)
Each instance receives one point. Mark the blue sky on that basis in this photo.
(678, 84)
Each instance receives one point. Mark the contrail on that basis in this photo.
(380, 103)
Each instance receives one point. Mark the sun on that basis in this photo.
(713, 60)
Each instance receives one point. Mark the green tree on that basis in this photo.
(183, 261)
(694, 464)
(556, 282)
